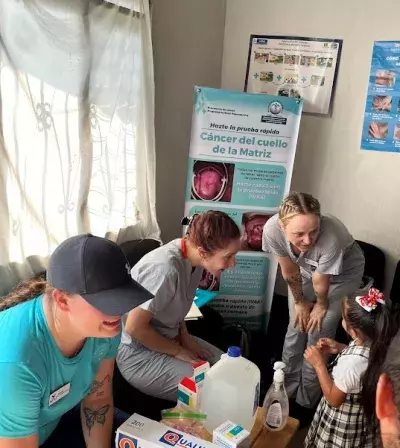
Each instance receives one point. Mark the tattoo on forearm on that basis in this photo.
(321, 298)
(97, 385)
(93, 416)
(295, 285)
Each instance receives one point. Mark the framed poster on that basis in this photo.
(381, 129)
(241, 159)
(295, 67)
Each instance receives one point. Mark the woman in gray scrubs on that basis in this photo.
(321, 263)
(157, 350)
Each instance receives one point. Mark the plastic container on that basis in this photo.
(276, 403)
(231, 391)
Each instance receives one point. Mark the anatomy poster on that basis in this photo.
(381, 130)
(295, 67)
(241, 159)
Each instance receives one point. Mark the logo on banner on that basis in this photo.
(276, 108)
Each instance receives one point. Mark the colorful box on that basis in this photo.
(230, 435)
(141, 432)
(189, 389)
(187, 394)
(199, 373)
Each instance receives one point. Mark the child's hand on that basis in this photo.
(328, 346)
(314, 356)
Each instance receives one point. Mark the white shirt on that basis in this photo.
(348, 372)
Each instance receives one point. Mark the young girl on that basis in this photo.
(340, 420)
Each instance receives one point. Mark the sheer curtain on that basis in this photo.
(77, 150)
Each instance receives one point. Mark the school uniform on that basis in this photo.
(343, 427)
(173, 281)
(335, 253)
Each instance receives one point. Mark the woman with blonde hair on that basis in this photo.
(321, 263)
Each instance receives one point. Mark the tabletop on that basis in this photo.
(262, 438)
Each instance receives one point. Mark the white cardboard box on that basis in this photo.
(141, 432)
(230, 435)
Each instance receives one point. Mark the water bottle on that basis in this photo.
(231, 391)
(276, 403)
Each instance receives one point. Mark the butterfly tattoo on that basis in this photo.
(93, 416)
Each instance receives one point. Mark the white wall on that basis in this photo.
(188, 40)
(362, 188)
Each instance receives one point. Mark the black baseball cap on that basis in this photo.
(96, 269)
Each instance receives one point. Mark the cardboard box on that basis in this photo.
(230, 435)
(187, 394)
(199, 373)
(189, 389)
(141, 432)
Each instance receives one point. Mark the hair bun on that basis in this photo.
(185, 221)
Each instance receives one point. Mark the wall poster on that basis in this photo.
(381, 129)
(295, 67)
(241, 160)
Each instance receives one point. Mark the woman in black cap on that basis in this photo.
(59, 340)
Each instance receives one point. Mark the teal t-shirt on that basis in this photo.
(32, 368)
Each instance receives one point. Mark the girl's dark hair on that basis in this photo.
(28, 290)
(212, 230)
(379, 326)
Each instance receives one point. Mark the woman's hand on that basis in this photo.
(193, 346)
(314, 356)
(302, 315)
(186, 355)
(316, 317)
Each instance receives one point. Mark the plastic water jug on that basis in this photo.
(231, 391)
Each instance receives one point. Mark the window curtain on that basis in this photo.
(77, 146)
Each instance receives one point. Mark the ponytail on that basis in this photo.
(385, 330)
(23, 292)
(188, 220)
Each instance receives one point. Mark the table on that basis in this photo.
(261, 438)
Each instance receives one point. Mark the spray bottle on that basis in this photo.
(276, 403)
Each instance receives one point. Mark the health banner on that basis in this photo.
(381, 129)
(241, 158)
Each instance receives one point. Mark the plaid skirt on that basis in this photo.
(343, 427)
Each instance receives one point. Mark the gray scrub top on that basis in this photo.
(173, 281)
(335, 252)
